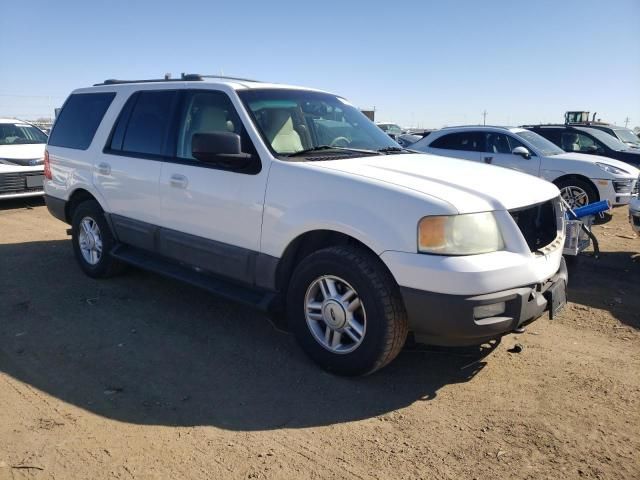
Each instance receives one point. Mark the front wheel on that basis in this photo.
(576, 192)
(346, 311)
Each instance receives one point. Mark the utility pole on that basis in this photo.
(626, 122)
(484, 117)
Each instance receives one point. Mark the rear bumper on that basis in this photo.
(57, 207)
(449, 320)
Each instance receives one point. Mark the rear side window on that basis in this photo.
(79, 119)
(467, 141)
(143, 125)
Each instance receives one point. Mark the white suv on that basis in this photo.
(21, 159)
(291, 200)
(581, 178)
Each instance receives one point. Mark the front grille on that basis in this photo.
(538, 223)
(623, 186)
(17, 183)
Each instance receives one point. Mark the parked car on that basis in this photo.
(582, 179)
(634, 214)
(587, 140)
(407, 139)
(392, 129)
(625, 135)
(21, 159)
(290, 198)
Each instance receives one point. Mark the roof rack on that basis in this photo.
(198, 76)
(184, 77)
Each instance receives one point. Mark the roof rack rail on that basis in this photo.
(198, 76)
(115, 81)
(184, 77)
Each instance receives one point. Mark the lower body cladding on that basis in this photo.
(460, 320)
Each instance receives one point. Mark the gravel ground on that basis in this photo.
(142, 377)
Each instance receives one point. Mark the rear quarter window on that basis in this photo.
(79, 119)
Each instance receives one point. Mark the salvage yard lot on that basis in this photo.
(143, 377)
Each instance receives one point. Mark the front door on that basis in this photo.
(211, 214)
(498, 148)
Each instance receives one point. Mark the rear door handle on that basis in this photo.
(104, 168)
(487, 159)
(178, 181)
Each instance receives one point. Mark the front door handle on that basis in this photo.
(487, 159)
(104, 168)
(178, 181)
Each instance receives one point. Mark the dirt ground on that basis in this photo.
(142, 377)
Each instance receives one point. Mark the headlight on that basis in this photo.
(469, 234)
(611, 169)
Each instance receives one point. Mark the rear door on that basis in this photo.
(498, 148)
(465, 145)
(127, 171)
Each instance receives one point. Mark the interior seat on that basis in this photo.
(281, 133)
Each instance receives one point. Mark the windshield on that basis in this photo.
(20, 134)
(609, 140)
(627, 135)
(541, 144)
(291, 121)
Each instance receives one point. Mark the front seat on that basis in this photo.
(209, 119)
(281, 134)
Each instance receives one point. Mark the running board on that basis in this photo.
(144, 260)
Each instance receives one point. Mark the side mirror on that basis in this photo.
(224, 148)
(523, 152)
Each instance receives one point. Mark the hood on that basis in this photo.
(22, 154)
(583, 157)
(467, 186)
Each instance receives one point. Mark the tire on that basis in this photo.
(98, 266)
(371, 336)
(576, 184)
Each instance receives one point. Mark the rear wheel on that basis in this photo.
(346, 311)
(92, 241)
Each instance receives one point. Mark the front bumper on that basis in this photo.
(618, 192)
(448, 320)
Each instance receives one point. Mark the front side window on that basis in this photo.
(79, 119)
(496, 143)
(291, 121)
(578, 142)
(208, 112)
(20, 134)
(466, 141)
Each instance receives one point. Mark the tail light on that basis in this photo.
(47, 166)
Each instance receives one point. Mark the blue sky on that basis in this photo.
(424, 62)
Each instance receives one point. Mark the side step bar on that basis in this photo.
(259, 299)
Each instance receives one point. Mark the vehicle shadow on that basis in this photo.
(19, 203)
(608, 283)
(146, 350)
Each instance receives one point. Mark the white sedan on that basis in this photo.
(21, 159)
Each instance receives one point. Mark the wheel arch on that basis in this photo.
(309, 242)
(576, 176)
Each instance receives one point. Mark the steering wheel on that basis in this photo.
(336, 142)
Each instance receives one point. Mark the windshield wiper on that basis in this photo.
(329, 147)
(394, 149)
